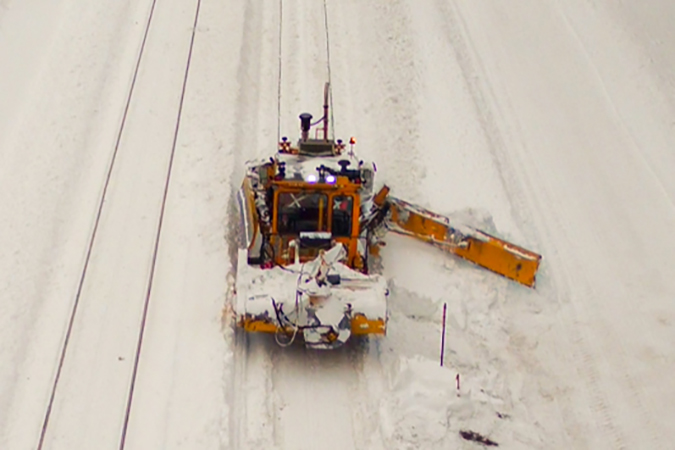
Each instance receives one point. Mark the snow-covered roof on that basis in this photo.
(302, 167)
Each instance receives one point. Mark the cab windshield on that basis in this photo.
(301, 211)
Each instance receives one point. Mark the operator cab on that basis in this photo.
(308, 198)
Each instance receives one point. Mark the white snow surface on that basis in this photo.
(548, 123)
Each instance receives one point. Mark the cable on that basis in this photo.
(278, 312)
(281, 17)
(330, 83)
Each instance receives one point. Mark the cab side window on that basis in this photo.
(342, 209)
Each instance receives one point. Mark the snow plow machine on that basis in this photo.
(313, 222)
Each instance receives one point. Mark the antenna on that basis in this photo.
(326, 90)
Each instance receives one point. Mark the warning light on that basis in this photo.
(352, 140)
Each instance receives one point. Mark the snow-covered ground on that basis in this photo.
(549, 123)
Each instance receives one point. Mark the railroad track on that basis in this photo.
(95, 245)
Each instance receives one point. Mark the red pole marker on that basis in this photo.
(457, 379)
(443, 335)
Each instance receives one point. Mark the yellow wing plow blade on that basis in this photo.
(499, 256)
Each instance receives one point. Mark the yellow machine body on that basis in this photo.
(499, 256)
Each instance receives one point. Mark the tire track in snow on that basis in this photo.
(608, 341)
(585, 353)
(270, 382)
(376, 88)
(521, 203)
(377, 84)
(255, 136)
(457, 35)
(390, 91)
(314, 392)
(664, 185)
(589, 354)
(470, 62)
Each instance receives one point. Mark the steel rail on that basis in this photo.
(92, 237)
(158, 235)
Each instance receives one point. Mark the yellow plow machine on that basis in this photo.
(313, 221)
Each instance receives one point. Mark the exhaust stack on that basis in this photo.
(305, 124)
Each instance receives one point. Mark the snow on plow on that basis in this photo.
(313, 224)
(322, 301)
